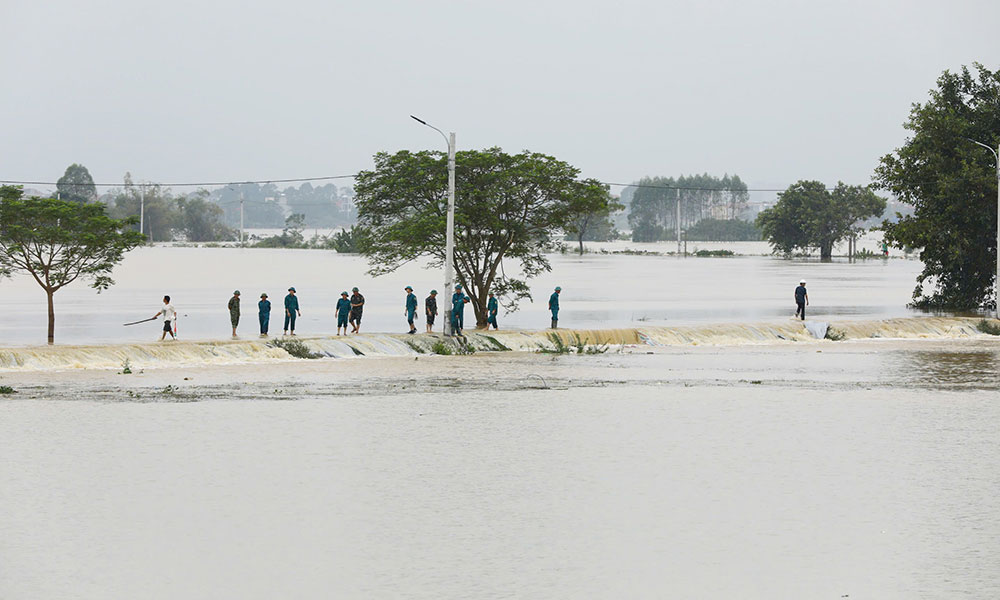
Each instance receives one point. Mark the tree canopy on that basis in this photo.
(60, 241)
(952, 186)
(807, 215)
(590, 213)
(508, 207)
(76, 185)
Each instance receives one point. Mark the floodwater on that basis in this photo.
(599, 291)
(780, 468)
(863, 469)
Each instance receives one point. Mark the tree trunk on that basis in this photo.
(52, 317)
(826, 251)
(580, 239)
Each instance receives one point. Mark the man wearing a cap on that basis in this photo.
(801, 300)
(343, 309)
(357, 308)
(264, 314)
(291, 311)
(431, 309)
(491, 311)
(458, 302)
(411, 309)
(234, 310)
(554, 307)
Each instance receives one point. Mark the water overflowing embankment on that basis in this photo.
(180, 353)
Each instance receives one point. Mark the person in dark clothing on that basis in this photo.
(458, 302)
(291, 310)
(357, 308)
(343, 309)
(491, 312)
(411, 309)
(234, 310)
(431, 309)
(801, 300)
(264, 314)
(554, 306)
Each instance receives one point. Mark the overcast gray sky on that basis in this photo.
(236, 90)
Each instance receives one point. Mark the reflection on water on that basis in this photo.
(976, 369)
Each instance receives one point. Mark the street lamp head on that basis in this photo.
(421, 121)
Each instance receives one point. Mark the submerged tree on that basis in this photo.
(60, 241)
(590, 213)
(76, 185)
(951, 184)
(508, 207)
(807, 215)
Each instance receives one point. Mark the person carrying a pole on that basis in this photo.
(169, 318)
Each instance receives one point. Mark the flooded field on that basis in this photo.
(600, 292)
(861, 469)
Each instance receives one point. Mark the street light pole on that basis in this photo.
(142, 209)
(449, 252)
(996, 282)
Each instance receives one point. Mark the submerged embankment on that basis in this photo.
(166, 354)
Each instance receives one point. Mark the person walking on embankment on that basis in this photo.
(264, 314)
(169, 318)
(357, 310)
(234, 311)
(801, 300)
(291, 311)
(554, 307)
(491, 312)
(431, 309)
(411, 309)
(343, 310)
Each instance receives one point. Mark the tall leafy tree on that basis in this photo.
(951, 184)
(76, 185)
(807, 215)
(508, 207)
(60, 241)
(590, 212)
(202, 220)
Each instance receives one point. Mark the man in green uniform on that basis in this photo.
(411, 309)
(234, 310)
(357, 309)
(458, 302)
(291, 310)
(554, 307)
(343, 309)
(491, 312)
(264, 314)
(431, 310)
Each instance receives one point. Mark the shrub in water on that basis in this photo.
(987, 327)
(294, 347)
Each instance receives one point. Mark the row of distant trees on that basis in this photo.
(203, 215)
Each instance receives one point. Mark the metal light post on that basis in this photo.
(996, 282)
(142, 209)
(449, 252)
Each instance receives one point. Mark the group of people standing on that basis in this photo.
(348, 312)
(350, 309)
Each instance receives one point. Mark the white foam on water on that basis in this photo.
(167, 354)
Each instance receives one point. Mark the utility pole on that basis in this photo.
(241, 217)
(996, 282)
(142, 208)
(449, 252)
(678, 220)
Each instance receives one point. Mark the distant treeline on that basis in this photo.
(723, 230)
(653, 202)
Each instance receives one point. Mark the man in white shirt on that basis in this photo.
(169, 317)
